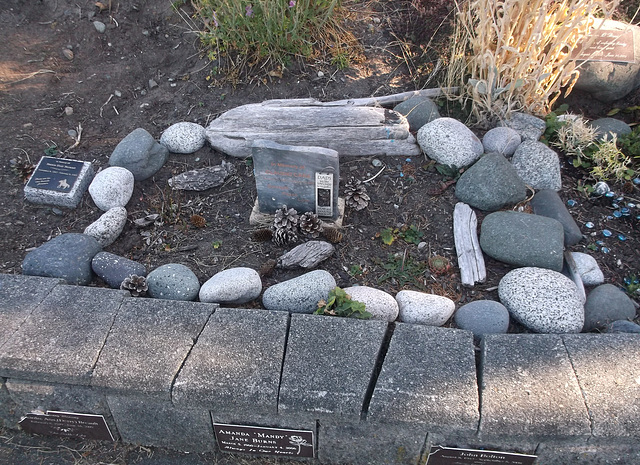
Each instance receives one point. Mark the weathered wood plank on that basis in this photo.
(470, 259)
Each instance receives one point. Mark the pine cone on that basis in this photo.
(262, 235)
(355, 194)
(332, 234)
(284, 236)
(137, 285)
(198, 221)
(310, 225)
(285, 218)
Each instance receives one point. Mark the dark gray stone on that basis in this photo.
(594, 451)
(156, 423)
(173, 281)
(623, 326)
(113, 269)
(286, 175)
(147, 345)
(418, 111)
(501, 140)
(301, 294)
(537, 165)
(548, 203)
(490, 184)
(606, 304)
(529, 389)
(139, 153)
(61, 340)
(9, 411)
(328, 366)
(528, 126)
(428, 377)
(59, 181)
(522, 239)
(19, 296)
(608, 370)
(483, 317)
(605, 126)
(67, 257)
(235, 366)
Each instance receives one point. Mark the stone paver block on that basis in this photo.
(329, 365)
(158, 423)
(147, 345)
(61, 340)
(32, 395)
(608, 371)
(236, 363)
(19, 295)
(371, 443)
(428, 377)
(529, 388)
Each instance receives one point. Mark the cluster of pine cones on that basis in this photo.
(288, 225)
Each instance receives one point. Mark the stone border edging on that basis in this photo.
(374, 393)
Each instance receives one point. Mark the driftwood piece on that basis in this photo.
(202, 179)
(354, 127)
(470, 259)
(306, 255)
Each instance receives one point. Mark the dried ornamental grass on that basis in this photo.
(517, 54)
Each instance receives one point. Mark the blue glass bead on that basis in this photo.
(606, 233)
(589, 225)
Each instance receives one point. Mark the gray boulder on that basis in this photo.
(301, 294)
(522, 239)
(418, 111)
(606, 304)
(490, 184)
(184, 137)
(623, 326)
(113, 269)
(528, 126)
(233, 286)
(173, 281)
(606, 126)
(502, 140)
(537, 165)
(424, 309)
(449, 142)
(588, 269)
(112, 187)
(139, 153)
(108, 227)
(67, 257)
(381, 305)
(483, 317)
(548, 203)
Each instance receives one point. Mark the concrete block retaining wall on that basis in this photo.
(162, 372)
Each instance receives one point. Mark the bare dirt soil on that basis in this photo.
(59, 74)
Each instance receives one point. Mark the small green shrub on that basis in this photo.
(339, 303)
(410, 234)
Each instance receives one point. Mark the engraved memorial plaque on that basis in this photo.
(304, 178)
(608, 45)
(439, 455)
(69, 425)
(58, 181)
(264, 441)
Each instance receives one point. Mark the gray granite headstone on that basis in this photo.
(304, 178)
(59, 181)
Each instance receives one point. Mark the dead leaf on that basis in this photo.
(101, 5)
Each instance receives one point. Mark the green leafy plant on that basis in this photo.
(355, 270)
(339, 303)
(216, 244)
(403, 270)
(610, 163)
(388, 235)
(410, 234)
(629, 144)
(553, 123)
(448, 171)
(577, 139)
(632, 286)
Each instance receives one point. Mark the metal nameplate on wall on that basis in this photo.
(67, 424)
(453, 456)
(265, 441)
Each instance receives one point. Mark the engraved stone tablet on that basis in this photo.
(59, 181)
(264, 441)
(304, 178)
(608, 45)
(69, 425)
(439, 455)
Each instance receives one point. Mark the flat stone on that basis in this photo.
(62, 338)
(428, 377)
(381, 305)
(606, 126)
(58, 181)
(424, 309)
(529, 389)
(307, 255)
(183, 137)
(173, 281)
(113, 269)
(418, 111)
(537, 165)
(139, 153)
(108, 227)
(606, 304)
(608, 369)
(449, 142)
(623, 326)
(202, 179)
(147, 345)
(544, 301)
(232, 286)
(335, 384)
(483, 317)
(502, 140)
(522, 239)
(547, 202)
(112, 187)
(588, 268)
(100, 26)
(301, 294)
(529, 127)
(67, 257)
(236, 363)
(490, 184)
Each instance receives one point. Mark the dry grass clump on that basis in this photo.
(513, 55)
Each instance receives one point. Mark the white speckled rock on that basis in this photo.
(301, 294)
(537, 165)
(544, 301)
(173, 281)
(112, 187)
(232, 286)
(183, 137)
(528, 126)
(588, 269)
(424, 309)
(380, 304)
(501, 140)
(449, 142)
(108, 227)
